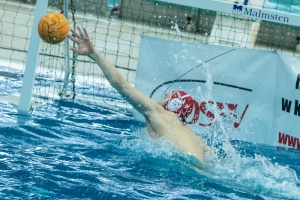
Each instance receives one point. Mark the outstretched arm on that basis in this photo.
(136, 98)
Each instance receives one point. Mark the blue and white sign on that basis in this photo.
(260, 14)
(243, 10)
(255, 95)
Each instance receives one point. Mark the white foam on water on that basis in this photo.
(257, 174)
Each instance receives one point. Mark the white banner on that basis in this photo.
(254, 94)
(272, 15)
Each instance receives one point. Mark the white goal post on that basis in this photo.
(32, 59)
(33, 55)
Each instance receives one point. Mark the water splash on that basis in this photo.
(76, 150)
(177, 29)
(255, 173)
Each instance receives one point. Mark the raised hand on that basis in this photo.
(84, 44)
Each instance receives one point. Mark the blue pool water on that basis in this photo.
(76, 150)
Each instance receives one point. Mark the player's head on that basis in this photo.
(181, 104)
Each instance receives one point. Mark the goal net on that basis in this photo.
(116, 27)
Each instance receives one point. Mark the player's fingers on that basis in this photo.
(74, 33)
(80, 32)
(71, 38)
(86, 33)
(74, 49)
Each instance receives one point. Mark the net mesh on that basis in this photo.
(116, 27)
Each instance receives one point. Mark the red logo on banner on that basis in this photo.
(208, 111)
(288, 140)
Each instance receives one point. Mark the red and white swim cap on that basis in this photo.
(184, 106)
